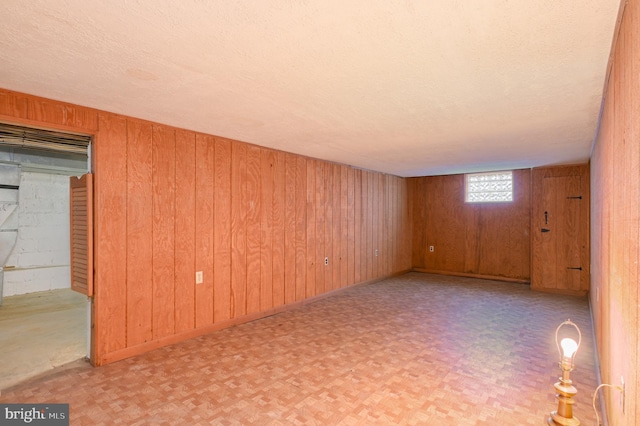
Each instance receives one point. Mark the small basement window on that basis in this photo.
(492, 187)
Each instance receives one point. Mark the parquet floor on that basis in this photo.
(418, 349)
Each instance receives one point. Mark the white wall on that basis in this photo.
(41, 253)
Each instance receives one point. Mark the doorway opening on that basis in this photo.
(43, 323)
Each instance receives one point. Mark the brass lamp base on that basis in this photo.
(563, 416)
(554, 420)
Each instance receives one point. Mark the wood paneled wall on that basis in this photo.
(485, 240)
(258, 223)
(615, 225)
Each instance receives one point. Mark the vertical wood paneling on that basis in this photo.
(617, 293)
(503, 233)
(383, 223)
(380, 225)
(397, 233)
(375, 224)
(278, 228)
(254, 226)
(367, 225)
(417, 194)
(385, 213)
(164, 187)
(204, 228)
(400, 235)
(392, 203)
(258, 224)
(375, 228)
(351, 226)
(403, 215)
(371, 220)
(111, 236)
(327, 231)
(407, 225)
(239, 225)
(632, 319)
(290, 236)
(344, 226)
(602, 163)
(366, 241)
(139, 233)
(222, 231)
(446, 224)
(320, 237)
(599, 175)
(612, 294)
(615, 214)
(185, 231)
(301, 226)
(359, 220)
(488, 239)
(399, 239)
(336, 228)
(311, 229)
(266, 229)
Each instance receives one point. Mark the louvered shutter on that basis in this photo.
(81, 214)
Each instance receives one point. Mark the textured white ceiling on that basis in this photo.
(405, 87)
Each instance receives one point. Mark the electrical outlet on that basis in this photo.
(199, 277)
(622, 394)
(431, 249)
(376, 252)
(326, 261)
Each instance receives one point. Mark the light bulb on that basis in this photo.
(569, 347)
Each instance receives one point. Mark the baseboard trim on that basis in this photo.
(190, 334)
(578, 293)
(469, 275)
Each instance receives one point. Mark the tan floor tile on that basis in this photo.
(417, 349)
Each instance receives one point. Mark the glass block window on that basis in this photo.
(493, 187)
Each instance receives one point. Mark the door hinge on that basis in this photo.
(576, 197)
(576, 269)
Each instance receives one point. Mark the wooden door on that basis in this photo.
(81, 216)
(560, 226)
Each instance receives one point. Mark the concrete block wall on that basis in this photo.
(41, 255)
